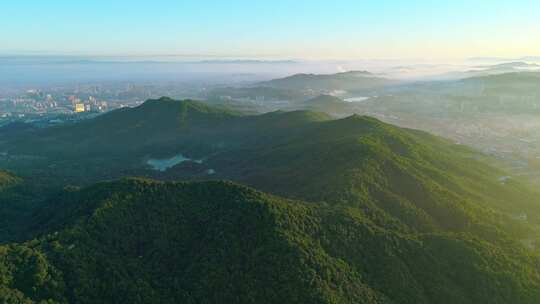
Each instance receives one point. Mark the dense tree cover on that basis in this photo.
(118, 143)
(380, 214)
(7, 180)
(141, 241)
(19, 199)
(156, 123)
(419, 180)
(397, 176)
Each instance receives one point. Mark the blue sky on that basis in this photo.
(338, 29)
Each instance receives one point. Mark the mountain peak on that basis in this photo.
(186, 108)
(357, 119)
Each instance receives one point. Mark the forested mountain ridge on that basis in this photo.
(155, 122)
(393, 174)
(142, 241)
(354, 210)
(423, 181)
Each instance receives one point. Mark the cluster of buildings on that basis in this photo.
(83, 100)
(91, 104)
(27, 104)
(39, 103)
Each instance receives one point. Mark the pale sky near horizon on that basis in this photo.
(339, 29)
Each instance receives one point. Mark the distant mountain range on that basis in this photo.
(506, 67)
(301, 87)
(347, 81)
(516, 81)
(495, 59)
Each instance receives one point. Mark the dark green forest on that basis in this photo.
(140, 241)
(292, 207)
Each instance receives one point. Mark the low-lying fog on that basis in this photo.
(56, 70)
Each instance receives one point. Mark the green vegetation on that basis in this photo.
(353, 81)
(496, 114)
(19, 199)
(408, 176)
(367, 213)
(327, 104)
(124, 131)
(141, 241)
(7, 180)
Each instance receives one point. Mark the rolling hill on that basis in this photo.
(515, 84)
(353, 210)
(352, 81)
(506, 94)
(156, 122)
(399, 176)
(142, 241)
(156, 125)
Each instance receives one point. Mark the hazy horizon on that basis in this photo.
(28, 71)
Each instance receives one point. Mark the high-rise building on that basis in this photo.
(79, 107)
